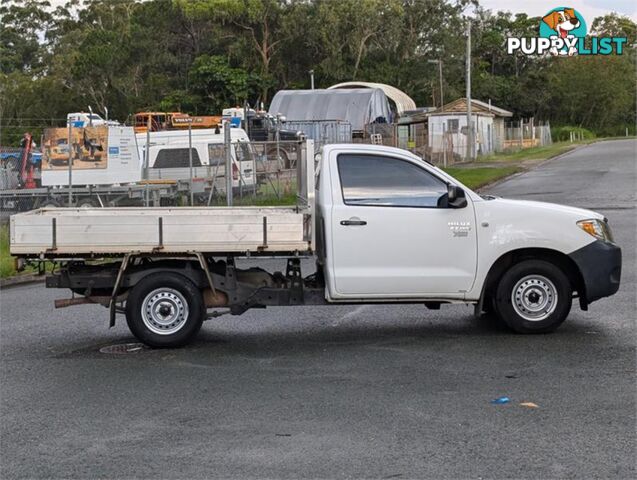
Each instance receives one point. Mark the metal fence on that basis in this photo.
(526, 134)
(323, 132)
(262, 173)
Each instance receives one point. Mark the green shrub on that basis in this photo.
(618, 131)
(561, 134)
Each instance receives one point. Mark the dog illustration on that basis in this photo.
(562, 21)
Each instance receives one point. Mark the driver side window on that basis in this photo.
(374, 180)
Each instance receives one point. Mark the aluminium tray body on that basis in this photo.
(67, 232)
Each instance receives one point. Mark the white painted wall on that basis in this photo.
(483, 125)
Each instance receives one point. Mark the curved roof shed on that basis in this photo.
(358, 106)
(403, 101)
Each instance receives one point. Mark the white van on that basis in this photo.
(172, 162)
(169, 159)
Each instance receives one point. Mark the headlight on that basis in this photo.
(597, 229)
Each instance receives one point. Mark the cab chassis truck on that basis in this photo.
(382, 225)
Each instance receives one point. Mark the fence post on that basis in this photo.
(444, 146)
(521, 135)
(533, 131)
(228, 145)
(147, 158)
(192, 196)
(70, 145)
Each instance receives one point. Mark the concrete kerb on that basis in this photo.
(20, 280)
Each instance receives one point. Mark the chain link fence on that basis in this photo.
(261, 173)
(523, 134)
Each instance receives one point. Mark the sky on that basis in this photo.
(588, 8)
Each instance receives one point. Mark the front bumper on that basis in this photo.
(600, 264)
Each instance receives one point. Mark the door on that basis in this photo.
(392, 233)
(244, 175)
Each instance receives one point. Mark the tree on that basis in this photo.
(203, 55)
(221, 85)
(614, 25)
(20, 46)
(256, 25)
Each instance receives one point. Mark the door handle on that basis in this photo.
(353, 222)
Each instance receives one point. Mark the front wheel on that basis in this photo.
(533, 296)
(165, 310)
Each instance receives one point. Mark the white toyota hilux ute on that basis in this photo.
(382, 225)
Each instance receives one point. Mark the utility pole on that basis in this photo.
(311, 72)
(468, 95)
(442, 94)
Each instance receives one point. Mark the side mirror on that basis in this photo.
(456, 197)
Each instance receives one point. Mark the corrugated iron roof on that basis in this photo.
(460, 105)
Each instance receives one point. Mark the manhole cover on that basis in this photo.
(124, 348)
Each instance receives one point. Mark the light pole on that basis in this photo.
(468, 79)
(442, 95)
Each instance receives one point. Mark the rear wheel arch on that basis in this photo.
(188, 269)
(561, 260)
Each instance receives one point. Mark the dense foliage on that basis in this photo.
(202, 55)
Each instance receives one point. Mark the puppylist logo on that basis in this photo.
(563, 32)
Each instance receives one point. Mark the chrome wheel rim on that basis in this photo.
(534, 298)
(164, 311)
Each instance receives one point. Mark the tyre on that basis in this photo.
(165, 310)
(86, 203)
(533, 296)
(49, 203)
(282, 159)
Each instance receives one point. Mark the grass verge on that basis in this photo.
(7, 267)
(534, 153)
(477, 177)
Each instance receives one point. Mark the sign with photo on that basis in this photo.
(89, 148)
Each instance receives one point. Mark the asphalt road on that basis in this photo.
(336, 392)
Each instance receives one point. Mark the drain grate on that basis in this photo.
(123, 348)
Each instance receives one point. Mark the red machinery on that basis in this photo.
(26, 167)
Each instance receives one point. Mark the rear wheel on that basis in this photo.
(281, 157)
(533, 296)
(165, 310)
(87, 203)
(49, 203)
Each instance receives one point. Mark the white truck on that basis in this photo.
(382, 225)
(83, 119)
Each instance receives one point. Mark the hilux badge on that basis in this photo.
(459, 229)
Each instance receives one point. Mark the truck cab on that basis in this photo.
(394, 227)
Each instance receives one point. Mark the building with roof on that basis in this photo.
(447, 127)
